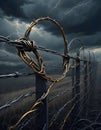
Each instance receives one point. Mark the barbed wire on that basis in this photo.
(39, 68)
(84, 102)
(69, 112)
(58, 95)
(62, 108)
(15, 75)
(15, 100)
(25, 123)
(66, 117)
(91, 126)
(72, 108)
(39, 101)
(55, 116)
(70, 101)
(24, 45)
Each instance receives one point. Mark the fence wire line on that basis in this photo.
(24, 45)
(73, 107)
(28, 94)
(20, 98)
(24, 123)
(98, 116)
(39, 101)
(62, 108)
(91, 123)
(58, 95)
(9, 103)
(19, 74)
(81, 108)
(15, 75)
(67, 115)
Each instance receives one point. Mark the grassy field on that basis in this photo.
(9, 116)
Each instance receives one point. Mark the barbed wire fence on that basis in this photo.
(79, 69)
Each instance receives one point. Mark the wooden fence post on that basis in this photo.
(85, 86)
(90, 72)
(42, 112)
(70, 122)
(73, 73)
(77, 85)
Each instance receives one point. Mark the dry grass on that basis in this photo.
(10, 115)
(12, 95)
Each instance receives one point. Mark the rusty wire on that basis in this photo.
(38, 66)
(25, 44)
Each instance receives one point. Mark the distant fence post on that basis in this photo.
(73, 94)
(85, 85)
(77, 78)
(42, 117)
(73, 77)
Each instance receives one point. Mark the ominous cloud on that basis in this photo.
(12, 8)
(82, 16)
(79, 18)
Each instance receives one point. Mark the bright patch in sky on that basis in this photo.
(97, 52)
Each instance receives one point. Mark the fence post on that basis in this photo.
(85, 86)
(70, 122)
(77, 78)
(73, 78)
(77, 85)
(42, 117)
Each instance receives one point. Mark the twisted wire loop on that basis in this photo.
(38, 66)
(51, 20)
(31, 46)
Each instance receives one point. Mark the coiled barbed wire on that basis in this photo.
(24, 45)
(38, 66)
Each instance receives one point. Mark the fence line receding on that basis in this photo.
(79, 68)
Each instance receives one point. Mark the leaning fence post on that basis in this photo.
(42, 112)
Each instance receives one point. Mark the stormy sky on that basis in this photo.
(79, 18)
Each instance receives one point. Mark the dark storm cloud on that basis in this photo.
(64, 4)
(13, 8)
(85, 18)
(79, 18)
(75, 16)
(6, 27)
